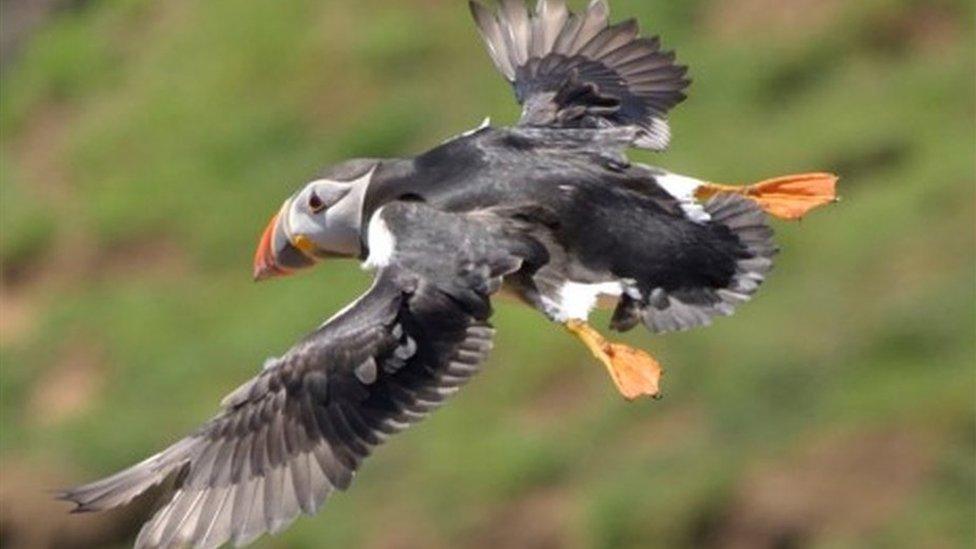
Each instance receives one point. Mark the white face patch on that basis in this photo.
(577, 299)
(380, 241)
(300, 220)
(336, 227)
(683, 189)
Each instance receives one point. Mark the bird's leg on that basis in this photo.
(789, 197)
(633, 371)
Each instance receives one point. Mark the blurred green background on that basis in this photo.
(146, 143)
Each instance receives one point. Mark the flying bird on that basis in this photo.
(550, 211)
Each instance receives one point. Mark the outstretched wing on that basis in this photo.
(288, 438)
(577, 71)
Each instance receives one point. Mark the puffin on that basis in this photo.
(550, 211)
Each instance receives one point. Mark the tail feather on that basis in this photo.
(682, 309)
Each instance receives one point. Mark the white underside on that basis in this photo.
(576, 300)
(683, 189)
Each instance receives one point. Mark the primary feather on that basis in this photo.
(297, 432)
(577, 71)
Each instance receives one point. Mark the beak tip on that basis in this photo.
(265, 268)
(264, 272)
(264, 262)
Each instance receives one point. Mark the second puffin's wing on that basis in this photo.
(577, 71)
(288, 438)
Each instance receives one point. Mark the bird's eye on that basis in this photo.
(315, 203)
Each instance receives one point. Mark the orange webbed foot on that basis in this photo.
(634, 372)
(789, 197)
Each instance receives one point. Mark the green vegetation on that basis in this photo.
(146, 143)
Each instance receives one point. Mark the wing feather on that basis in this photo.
(285, 440)
(577, 71)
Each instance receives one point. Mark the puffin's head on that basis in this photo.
(320, 221)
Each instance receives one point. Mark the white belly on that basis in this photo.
(572, 300)
(575, 300)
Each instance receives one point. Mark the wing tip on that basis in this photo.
(653, 82)
(68, 495)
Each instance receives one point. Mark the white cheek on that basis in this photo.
(380, 241)
(303, 223)
(296, 219)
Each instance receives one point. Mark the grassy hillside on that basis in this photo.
(144, 145)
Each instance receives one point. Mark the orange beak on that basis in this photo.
(280, 253)
(265, 265)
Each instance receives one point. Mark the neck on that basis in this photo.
(346, 217)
